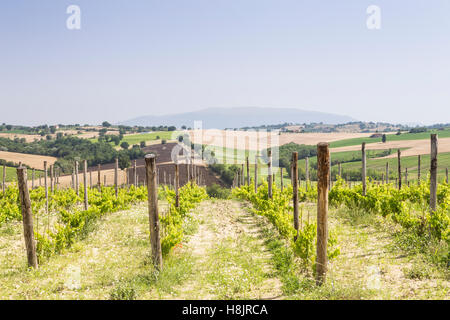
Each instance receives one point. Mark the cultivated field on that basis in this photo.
(252, 140)
(412, 147)
(27, 137)
(34, 161)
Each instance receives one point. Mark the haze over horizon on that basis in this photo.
(139, 58)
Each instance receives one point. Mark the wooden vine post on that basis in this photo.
(99, 178)
(323, 170)
(307, 173)
(406, 176)
(77, 187)
(4, 179)
(364, 168)
(270, 181)
(387, 172)
(248, 171)
(295, 191)
(418, 168)
(177, 184)
(32, 179)
(52, 178)
(256, 173)
(116, 177)
(73, 178)
(135, 173)
(85, 182)
(433, 172)
(46, 186)
(27, 217)
(281, 178)
(152, 189)
(399, 155)
(339, 169)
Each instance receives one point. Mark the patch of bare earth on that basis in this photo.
(226, 226)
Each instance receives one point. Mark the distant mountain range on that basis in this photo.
(221, 118)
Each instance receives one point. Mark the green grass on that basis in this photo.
(407, 162)
(11, 174)
(152, 136)
(390, 137)
(138, 137)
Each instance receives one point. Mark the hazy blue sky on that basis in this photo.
(134, 58)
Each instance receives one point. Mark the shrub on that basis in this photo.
(216, 191)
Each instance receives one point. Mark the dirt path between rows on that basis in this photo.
(231, 261)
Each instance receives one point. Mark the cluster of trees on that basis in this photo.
(226, 173)
(418, 130)
(69, 149)
(284, 153)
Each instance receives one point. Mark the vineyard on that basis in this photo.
(264, 240)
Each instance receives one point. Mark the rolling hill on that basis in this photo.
(221, 118)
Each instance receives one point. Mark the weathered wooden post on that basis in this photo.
(248, 171)
(32, 179)
(307, 173)
(418, 168)
(135, 173)
(406, 176)
(99, 177)
(104, 180)
(51, 179)
(77, 187)
(256, 173)
(364, 168)
(323, 165)
(339, 169)
(177, 184)
(46, 186)
(85, 185)
(73, 178)
(152, 188)
(281, 178)
(116, 177)
(27, 217)
(399, 154)
(433, 172)
(269, 154)
(295, 191)
(4, 179)
(387, 172)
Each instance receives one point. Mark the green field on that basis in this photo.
(391, 137)
(138, 137)
(407, 162)
(11, 174)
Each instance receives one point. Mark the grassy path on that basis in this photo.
(231, 261)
